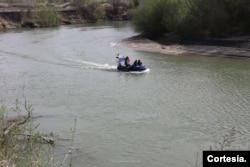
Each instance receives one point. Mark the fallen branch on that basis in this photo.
(19, 120)
(48, 140)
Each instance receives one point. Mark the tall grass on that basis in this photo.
(46, 17)
(42, 17)
(20, 143)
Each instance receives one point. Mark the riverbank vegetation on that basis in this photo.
(151, 17)
(43, 17)
(41, 13)
(20, 144)
(193, 17)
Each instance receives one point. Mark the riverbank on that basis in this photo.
(14, 16)
(237, 47)
(7, 25)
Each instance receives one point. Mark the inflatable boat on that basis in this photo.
(123, 64)
(129, 68)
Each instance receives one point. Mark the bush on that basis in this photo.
(43, 17)
(193, 17)
(147, 19)
(206, 18)
(92, 11)
(157, 17)
(99, 12)
(47, 17)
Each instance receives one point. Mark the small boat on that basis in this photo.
(131, 68)
(123, 65)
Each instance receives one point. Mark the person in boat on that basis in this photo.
(135, 63)
(120, 59)
(139, 63)
(127, 60)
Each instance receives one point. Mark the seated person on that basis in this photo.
(135, 63)
(139, 63)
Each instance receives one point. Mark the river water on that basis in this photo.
(165, 117)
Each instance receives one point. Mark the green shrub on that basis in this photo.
(160, 16)
(92, 11)
(193, 17)
(147, 19)
(99, 12)
(47, 17)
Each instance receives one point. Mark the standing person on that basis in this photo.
(127, 60)
(120, 59)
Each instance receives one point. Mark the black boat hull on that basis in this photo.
(129, 68)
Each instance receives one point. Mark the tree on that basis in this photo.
(193, 17)
(80, 2)
(219, 17)
(155, 17)
(115, 4)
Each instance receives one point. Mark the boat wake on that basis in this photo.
(140, 72)
(92, 65)
(112, 44)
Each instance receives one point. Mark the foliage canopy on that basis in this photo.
(193, 17)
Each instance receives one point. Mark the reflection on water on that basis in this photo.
(160, 118)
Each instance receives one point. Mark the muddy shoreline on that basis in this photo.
(233, 47)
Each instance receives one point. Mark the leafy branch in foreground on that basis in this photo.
(20, 145)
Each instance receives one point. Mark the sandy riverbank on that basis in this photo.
(145, 44)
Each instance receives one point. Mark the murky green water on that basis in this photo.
(161, 118)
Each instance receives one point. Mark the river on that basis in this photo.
(165, 117)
